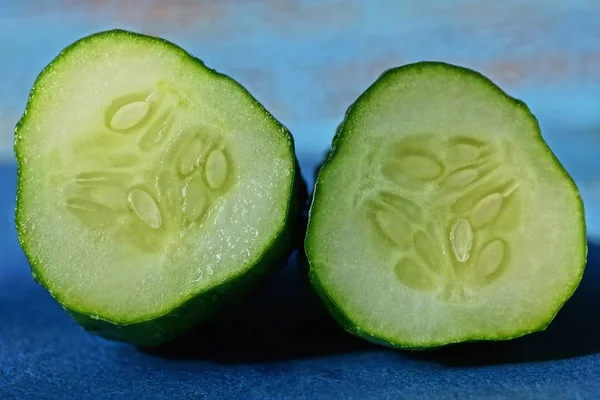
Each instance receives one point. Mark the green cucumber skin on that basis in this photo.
(343, 320)
(167, 327)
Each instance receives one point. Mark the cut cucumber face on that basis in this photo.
(152, 190)
(441, 215)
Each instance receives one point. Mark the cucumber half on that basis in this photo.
(441, 215)
(151, 189)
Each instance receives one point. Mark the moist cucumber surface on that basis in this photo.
(152, 190)
(441, 215)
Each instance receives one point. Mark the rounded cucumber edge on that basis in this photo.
(164, 328)
(336, 311)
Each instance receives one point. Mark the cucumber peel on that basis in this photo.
(441, 215)
(152, 190)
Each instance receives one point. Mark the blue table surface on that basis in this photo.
(306, 61)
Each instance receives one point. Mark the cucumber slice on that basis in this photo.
(441, 215)
(152, 190)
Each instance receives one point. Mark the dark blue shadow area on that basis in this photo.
(281, 321)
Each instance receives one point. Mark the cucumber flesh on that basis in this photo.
(150, 186)
(441, 215)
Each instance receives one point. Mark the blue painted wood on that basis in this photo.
(306, 61)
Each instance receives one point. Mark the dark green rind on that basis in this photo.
(336, 311)
(166, 327)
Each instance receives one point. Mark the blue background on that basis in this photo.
(306, 61)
